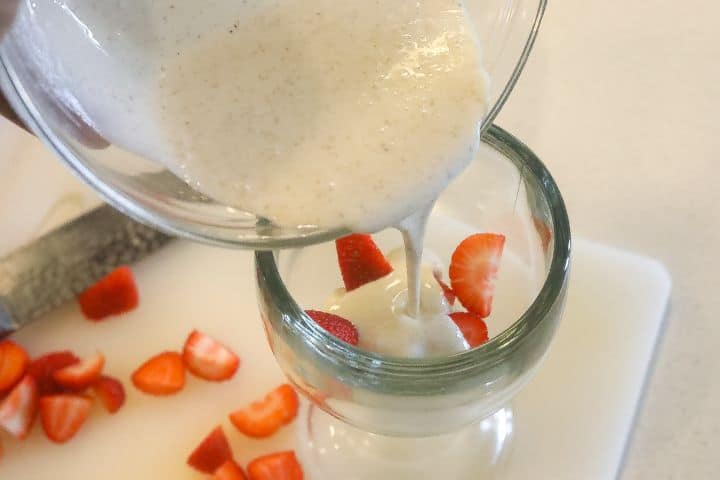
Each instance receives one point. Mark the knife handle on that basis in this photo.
(59, 265)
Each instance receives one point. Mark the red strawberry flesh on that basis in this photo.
(212, 452)
(473, 270)
(336, 325)
(162, 375)
(110, 392)
(229, 471)
(79, 376)
(14, 361)
(276, 466)
(472, 326)
(114, 294)
(447, 291)
(360, 260)
(63, 415)
(43, 368)
(207, 358)
(264, 417)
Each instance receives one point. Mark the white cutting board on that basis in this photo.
(572, 421)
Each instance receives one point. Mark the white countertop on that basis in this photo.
(622, 102)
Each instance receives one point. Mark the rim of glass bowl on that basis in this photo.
(220, 236)
(380, 370)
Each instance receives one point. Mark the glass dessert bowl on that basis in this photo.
(145, 189)
(377, 416)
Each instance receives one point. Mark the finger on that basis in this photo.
(7, 14)
(7, 112)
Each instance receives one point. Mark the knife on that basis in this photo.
(61, 264)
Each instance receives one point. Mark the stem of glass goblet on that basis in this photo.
(331, 449)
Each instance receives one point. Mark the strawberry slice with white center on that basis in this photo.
(473, 270)
(360, 260)
(63, 415)
(81, 375)
(209, 359)
(43, 369)
(229, 471)
(264, 417)
(18, 410)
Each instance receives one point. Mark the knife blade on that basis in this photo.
(56, 267)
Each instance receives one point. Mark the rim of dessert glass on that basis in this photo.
(442, 369)
(205, 233)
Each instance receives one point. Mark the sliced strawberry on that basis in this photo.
(43, 368)
(18, 410)
(79, 376)
(110, 392)
(337, 325)
(229, 471)
(114, 294)
(14, 361)
(447, 291)
(264, 417)
(207, 358)
(360, 260)
(276, 466)
(63, 415)
(473, 270)
(472, 326)
(163, 374)
(212, 452)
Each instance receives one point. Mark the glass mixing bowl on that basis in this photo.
(145, 190)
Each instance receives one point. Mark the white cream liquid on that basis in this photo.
(387, 321)
(325, 112)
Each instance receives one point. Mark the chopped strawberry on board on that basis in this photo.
(336, 325)
(110, 392)
(162, 375)
(14, 361)
(360, 260)
(264, 417)
(114, 294)
(81, 375)
(229, 471)
(63, 415)
(473, 270)
(19, 408)
(276, 466)
(212, 452)
(209, 359)
(44, 367)
(472, 326)
(447, 291)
